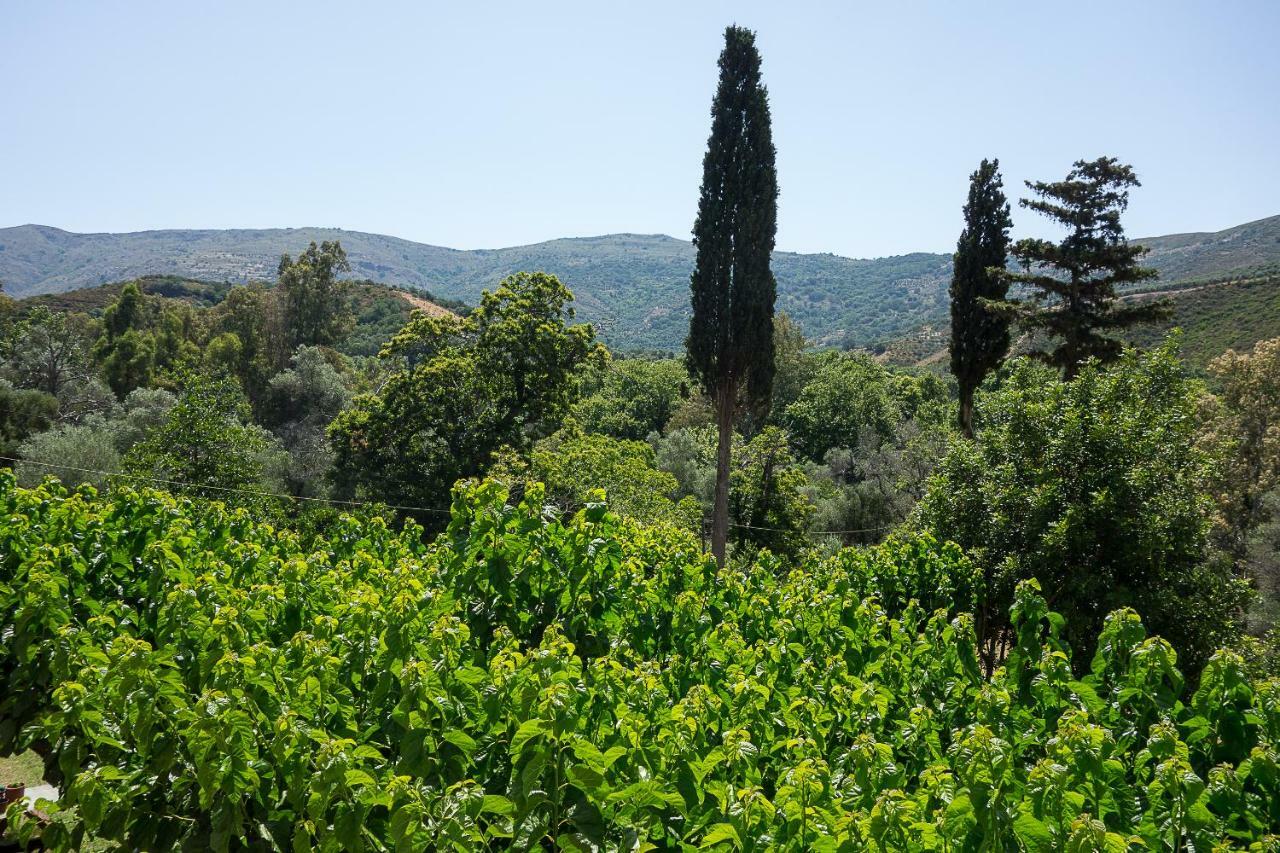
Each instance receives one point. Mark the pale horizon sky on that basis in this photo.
(500, 124)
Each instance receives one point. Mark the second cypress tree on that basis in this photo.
(979, 335)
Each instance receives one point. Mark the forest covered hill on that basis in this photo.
(634, 287)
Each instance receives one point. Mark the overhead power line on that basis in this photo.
(230, 489)
(337, 502)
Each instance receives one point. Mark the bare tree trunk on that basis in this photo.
(726, 396)
(966, 411)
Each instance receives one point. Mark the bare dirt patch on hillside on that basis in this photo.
(425, 305)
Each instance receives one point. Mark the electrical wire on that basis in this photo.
(337, 502)
(230, 489)
(815, 532)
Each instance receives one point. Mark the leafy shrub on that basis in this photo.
(575, 467)
(631, 398)
(1097, 487)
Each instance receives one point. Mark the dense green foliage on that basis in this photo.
(574, 467)
(297, 407)
(767, 504)
(142, 339)
(847, 401)
(314, 303)
(200, 679)
(631, 398)
(207, 442)
(730, 344)
(48, 351)
(23, 412)
(92, 449)
(1242, 421)
(1099, 488)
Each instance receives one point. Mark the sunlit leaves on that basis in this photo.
(581, 682)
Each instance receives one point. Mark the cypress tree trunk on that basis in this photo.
(720, 514)
(966, 410)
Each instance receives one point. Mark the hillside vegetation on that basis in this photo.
(380, 311)
(1215, 316)
(1197, 255)
(633, 287)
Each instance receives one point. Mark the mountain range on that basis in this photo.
(634, 287)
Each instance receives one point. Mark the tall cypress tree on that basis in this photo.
(1074, 280)
(730, 343)
(979, 335)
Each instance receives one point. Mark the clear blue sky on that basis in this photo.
(487, 124)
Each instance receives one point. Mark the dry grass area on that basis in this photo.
(424, 305)
(22, 769)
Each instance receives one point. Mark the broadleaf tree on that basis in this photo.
(1098, 487)
(207, 445)
(461, 389)
(730, 344)
(979, 334)
(315, 303)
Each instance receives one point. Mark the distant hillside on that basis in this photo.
(634, 287)
(1215, 316)
(1203, 255)
(93, 300)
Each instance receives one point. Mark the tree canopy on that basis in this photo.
(1098, 487)
(502, 376)
(316, 304)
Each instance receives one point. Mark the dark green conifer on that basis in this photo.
(979, 335)
(730, 343)
(1074, 280)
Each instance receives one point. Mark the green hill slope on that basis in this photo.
(633, 286)
(1202, 255)
(1216, 316)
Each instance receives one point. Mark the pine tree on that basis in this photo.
(1075, 280)
(979, 335)
(730, 343)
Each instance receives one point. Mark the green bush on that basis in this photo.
(1097, 487)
